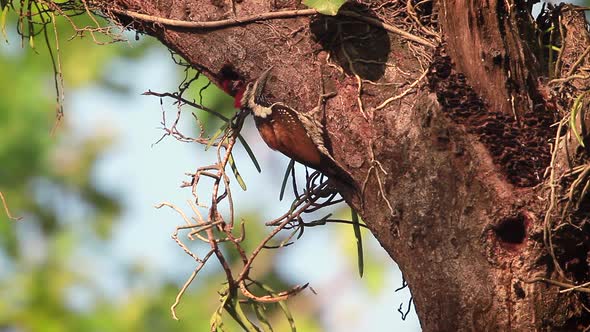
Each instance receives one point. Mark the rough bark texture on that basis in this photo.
(460, 158)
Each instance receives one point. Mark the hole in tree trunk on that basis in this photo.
(511, 230)
(359, 48)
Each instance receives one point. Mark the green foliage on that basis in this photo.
(3, 15)
(28, 151)
(33, 294)
(356, 226)
(285, 178)
(234, 169)
(373, 270)
(326, 7)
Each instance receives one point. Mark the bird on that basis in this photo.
(297, 135)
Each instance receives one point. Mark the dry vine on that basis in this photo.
(566, 216)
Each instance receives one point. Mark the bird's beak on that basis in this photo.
(264, 76)
(258, 87)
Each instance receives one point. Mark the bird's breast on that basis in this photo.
(281, 130)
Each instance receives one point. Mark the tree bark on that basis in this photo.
(453, 168)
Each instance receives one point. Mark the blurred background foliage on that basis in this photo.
(49, 180)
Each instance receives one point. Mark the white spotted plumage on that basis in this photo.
(254, 100)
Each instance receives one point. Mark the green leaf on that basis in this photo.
(234, 169)
(326, 7)
(217, 320)
(287, 172)
(250, 153)
(213, 138)
(259, 310)
(235, 310)
(288, 315)
(283, 306)
(356, 226)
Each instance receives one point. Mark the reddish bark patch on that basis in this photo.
(520, 147)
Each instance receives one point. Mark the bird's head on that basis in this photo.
(247, 95)
(252, 97)
(235, 89)
(232, 83)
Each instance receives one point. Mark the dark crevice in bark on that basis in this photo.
(512, 230)
(519, 290)
(359, 48)
(501, 16)
(522, 153)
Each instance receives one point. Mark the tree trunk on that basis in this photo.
(448, 138)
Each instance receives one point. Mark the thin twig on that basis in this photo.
(267, 16)
(403, 94)
(282, 296)
(558, 283)
(575, 287)
(187, 283)
(216, 24)
(6, 209)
